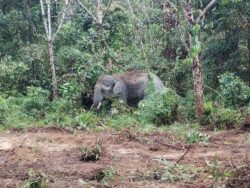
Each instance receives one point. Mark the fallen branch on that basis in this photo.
(189, 147)
(172, 146)
(106, 128)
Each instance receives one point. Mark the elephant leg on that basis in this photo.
(124, 99)
(134, 102)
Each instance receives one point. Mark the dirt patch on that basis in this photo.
(131, 159)
(126, 135)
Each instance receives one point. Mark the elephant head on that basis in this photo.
(108, 86)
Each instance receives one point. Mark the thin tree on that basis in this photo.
(50, 38)
(194, 42)
(190, 37)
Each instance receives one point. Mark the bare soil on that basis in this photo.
(54, 152)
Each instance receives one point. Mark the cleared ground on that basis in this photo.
(128, 159)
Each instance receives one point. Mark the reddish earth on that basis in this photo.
(55, 153)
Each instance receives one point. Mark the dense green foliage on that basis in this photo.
(140, 35)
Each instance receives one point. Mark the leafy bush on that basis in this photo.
(12, 74)
(36, 101)
(12, 115)
(87, 119)
(187, 108)
(60, 111)
(221, 117)
(3, 109)
(159, 108)
(235, 93)
(71, 93)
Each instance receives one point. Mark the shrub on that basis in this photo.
(187, 108)
(3, 108)
(36, 102)
(12, 75)
(11, 113)
(60, 111)
(91, 153)
(159, 108)
(86, 119)
(234, 92)
(221, 117)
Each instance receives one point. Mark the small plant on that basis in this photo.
(36, 180)
(195, 136)
(106, 175)
(176, 172)
(91, 153)
(214, 169)
(170, 172)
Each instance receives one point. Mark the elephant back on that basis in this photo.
(136, 82)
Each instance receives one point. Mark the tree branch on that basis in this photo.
(49, 20)
(104, 14)
(189, 147)
(44, 18)
(202, 14)
(94, 18)
(62, 19)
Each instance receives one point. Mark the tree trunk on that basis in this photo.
(248, 66)
(53, 70)
(197, 79)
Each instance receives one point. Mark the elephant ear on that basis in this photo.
(119, 88)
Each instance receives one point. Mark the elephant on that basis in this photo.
(128, 87)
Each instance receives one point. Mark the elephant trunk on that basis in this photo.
(97, 98)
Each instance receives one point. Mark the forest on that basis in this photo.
(195, 132)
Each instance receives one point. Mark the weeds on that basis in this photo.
(194, 136)
(170, 172)
(178, 172)
(36, 180)
(91, 153)
(107, 175)
(215, 170)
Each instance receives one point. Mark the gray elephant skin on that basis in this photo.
(128, 87)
